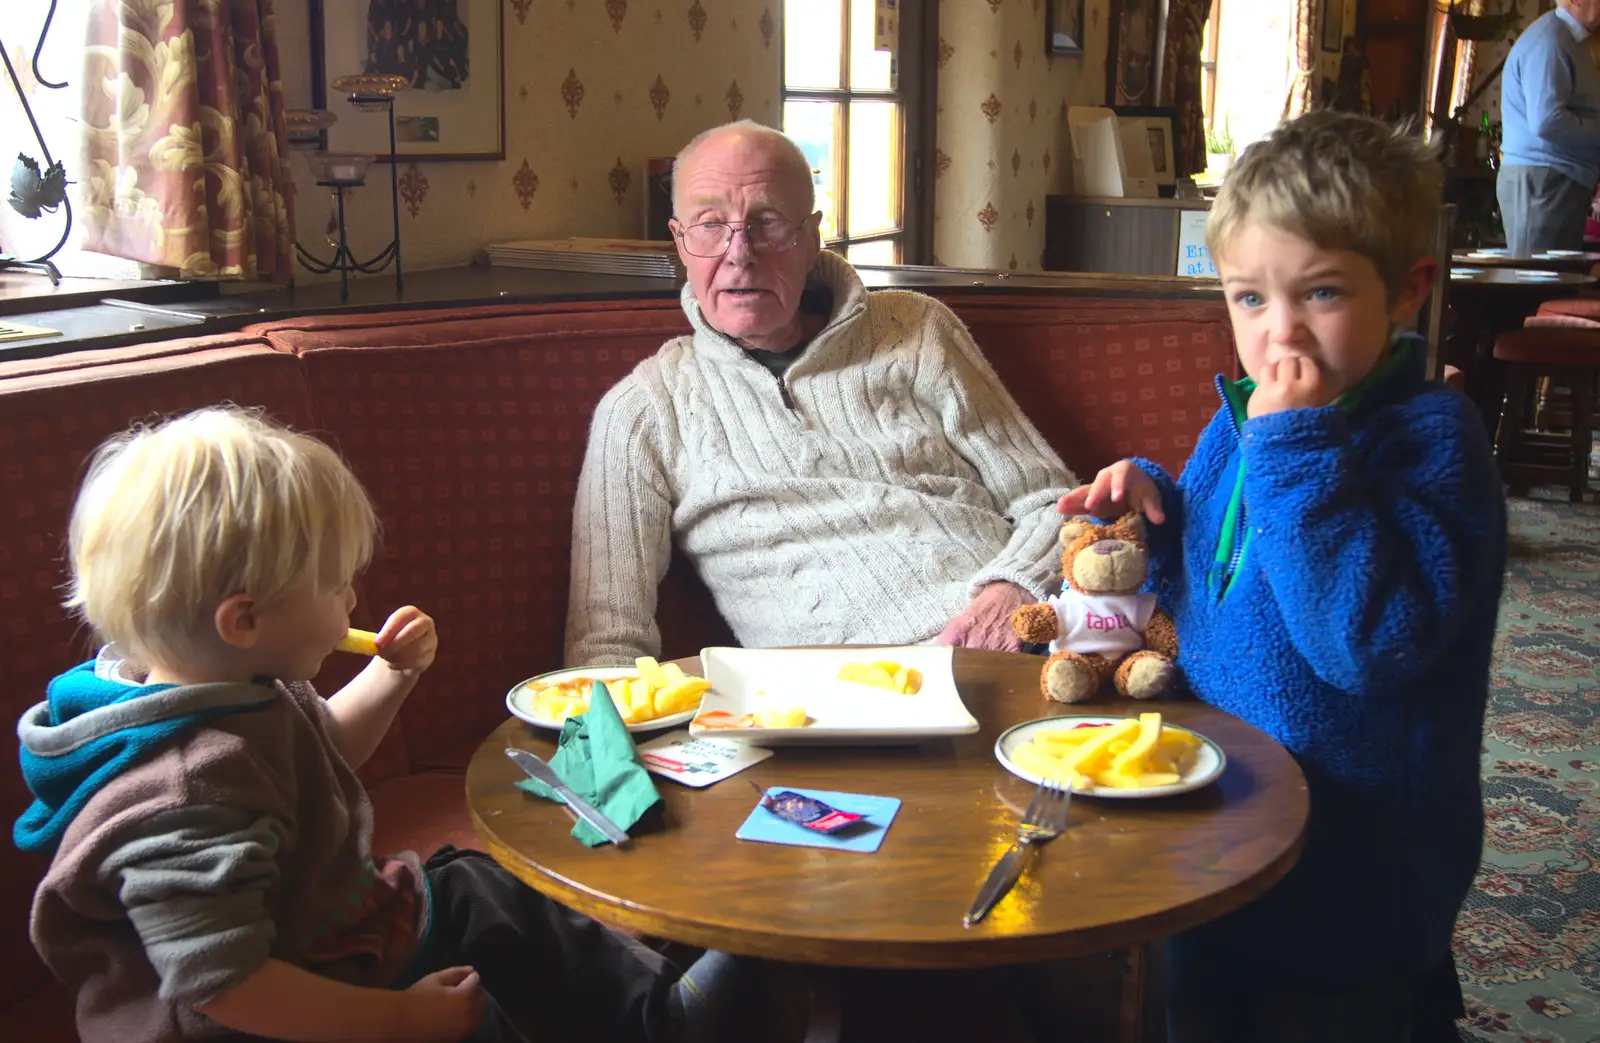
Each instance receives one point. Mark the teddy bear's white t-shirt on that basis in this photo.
(1105, 624)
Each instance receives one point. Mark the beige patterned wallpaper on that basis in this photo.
(1002, 127)
(593, 89)
(1490, 55)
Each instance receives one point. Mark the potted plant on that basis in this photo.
(1219, 150)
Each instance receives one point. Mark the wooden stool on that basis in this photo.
(1567, 356)
(1586, 305)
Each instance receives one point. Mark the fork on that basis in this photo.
(1043, 821)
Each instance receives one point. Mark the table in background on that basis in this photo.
(1577, 263)
(1124, 872)
(1488, 301)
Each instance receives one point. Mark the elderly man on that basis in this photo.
(1550, 112)
(839, 466)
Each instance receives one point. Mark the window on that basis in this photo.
(1208, 61)
(1450, 68)
(59, 120)
(842, 104)
(1246, 67)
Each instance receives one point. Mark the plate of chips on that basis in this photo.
(886, 694)
(1170, 760)
(648, 699)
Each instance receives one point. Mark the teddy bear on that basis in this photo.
(1100, 628)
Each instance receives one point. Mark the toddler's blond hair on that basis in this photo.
(1342, 182)
(175, 517)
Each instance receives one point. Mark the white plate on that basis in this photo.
(1208, 762)
(1559, 253)
(1491, 251)
(1533, 275)
(1462, 273)
(744, 680)
(520, 700)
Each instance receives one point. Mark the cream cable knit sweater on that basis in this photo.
(903, 478)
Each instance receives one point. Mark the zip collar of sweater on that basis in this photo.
(849, 305)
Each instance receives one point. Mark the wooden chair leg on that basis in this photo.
(1508, 439)
(1582, 424)
(823, 1025)
(1542, 403)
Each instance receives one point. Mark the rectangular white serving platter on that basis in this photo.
(744, 680)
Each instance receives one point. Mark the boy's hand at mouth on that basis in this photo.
(1288, 383)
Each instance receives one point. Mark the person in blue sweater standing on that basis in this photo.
(1550, 138)
(1333, 557)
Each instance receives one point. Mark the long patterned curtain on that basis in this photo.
(1466, 67)
(1180, 80)
(186, 146)
(1303, 48)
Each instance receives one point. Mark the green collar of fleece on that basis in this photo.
(1238, 392)
(1235, 537)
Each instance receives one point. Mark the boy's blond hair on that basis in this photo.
(176, 517)
(1341, 182)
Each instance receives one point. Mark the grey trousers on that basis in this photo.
(1542, 209)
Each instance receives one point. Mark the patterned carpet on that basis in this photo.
(1528, 942)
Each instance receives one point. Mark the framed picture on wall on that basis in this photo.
(1153, 126)
(1333, 26)
(451, 52)
(1131, 52)
(1063, 27)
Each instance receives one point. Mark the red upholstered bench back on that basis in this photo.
(468, 429)
(1104, 379)
(469, 426)
(53, 413)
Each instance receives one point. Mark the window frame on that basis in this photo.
(912, 96)
(1210, 38)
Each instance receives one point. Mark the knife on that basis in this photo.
(538, 769)
(1002, 878)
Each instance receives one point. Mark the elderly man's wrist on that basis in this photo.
(997, 587)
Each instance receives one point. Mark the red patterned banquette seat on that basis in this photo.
(468, 426)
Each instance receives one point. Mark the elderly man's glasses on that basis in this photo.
(766, 235)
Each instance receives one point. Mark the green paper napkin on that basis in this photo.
(597, 759)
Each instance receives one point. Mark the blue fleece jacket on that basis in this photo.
(1354, 625)
(90, 728)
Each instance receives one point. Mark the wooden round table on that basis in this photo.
(1578, 263)
(1526, 279)
(1488, 302)
(1124, 872)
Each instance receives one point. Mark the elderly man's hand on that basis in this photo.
(986, 623)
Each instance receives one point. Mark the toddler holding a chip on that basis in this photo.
(211, 845)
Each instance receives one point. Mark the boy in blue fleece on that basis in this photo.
(211, 862)
(1332, 557)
